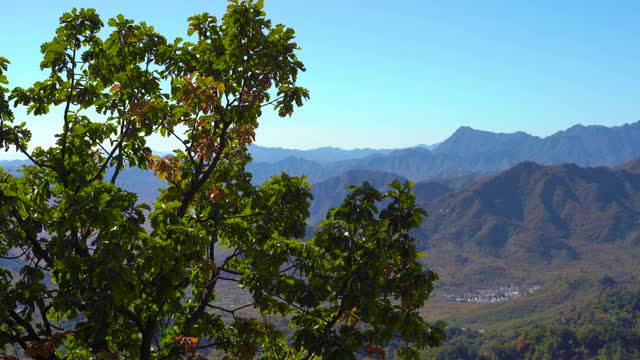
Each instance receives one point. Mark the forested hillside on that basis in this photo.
(533, 218)
(607, 327)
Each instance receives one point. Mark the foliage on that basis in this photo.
(609, 328)
(134, 280)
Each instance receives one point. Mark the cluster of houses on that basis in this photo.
(486, 296)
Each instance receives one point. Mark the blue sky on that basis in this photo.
(388, 74)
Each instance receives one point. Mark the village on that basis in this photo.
(497, 295)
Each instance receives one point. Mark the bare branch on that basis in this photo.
(272, 102)
(231, 311)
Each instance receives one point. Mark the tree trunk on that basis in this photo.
(147, 336)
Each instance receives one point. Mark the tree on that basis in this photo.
(132, 280)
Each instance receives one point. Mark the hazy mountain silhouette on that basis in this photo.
(412, 163)
(583, 145)
(478, 153)
(466, 155)
(320, 155)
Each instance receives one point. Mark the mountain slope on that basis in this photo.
(632, 166)
(534, 218)
(427, 191)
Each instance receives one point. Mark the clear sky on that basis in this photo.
(389, 74)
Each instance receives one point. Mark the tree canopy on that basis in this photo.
(104, 275)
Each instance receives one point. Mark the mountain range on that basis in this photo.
(320, 155)
(582, 145)
(474, 152)
(466, 154)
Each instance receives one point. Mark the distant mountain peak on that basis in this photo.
(465, 131)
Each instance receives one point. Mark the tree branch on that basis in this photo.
(15, 338)
(65, 131)
(33, 335)
(231, 311)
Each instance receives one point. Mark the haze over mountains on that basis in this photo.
(583, 145)
(321, 155)
(469, 151)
